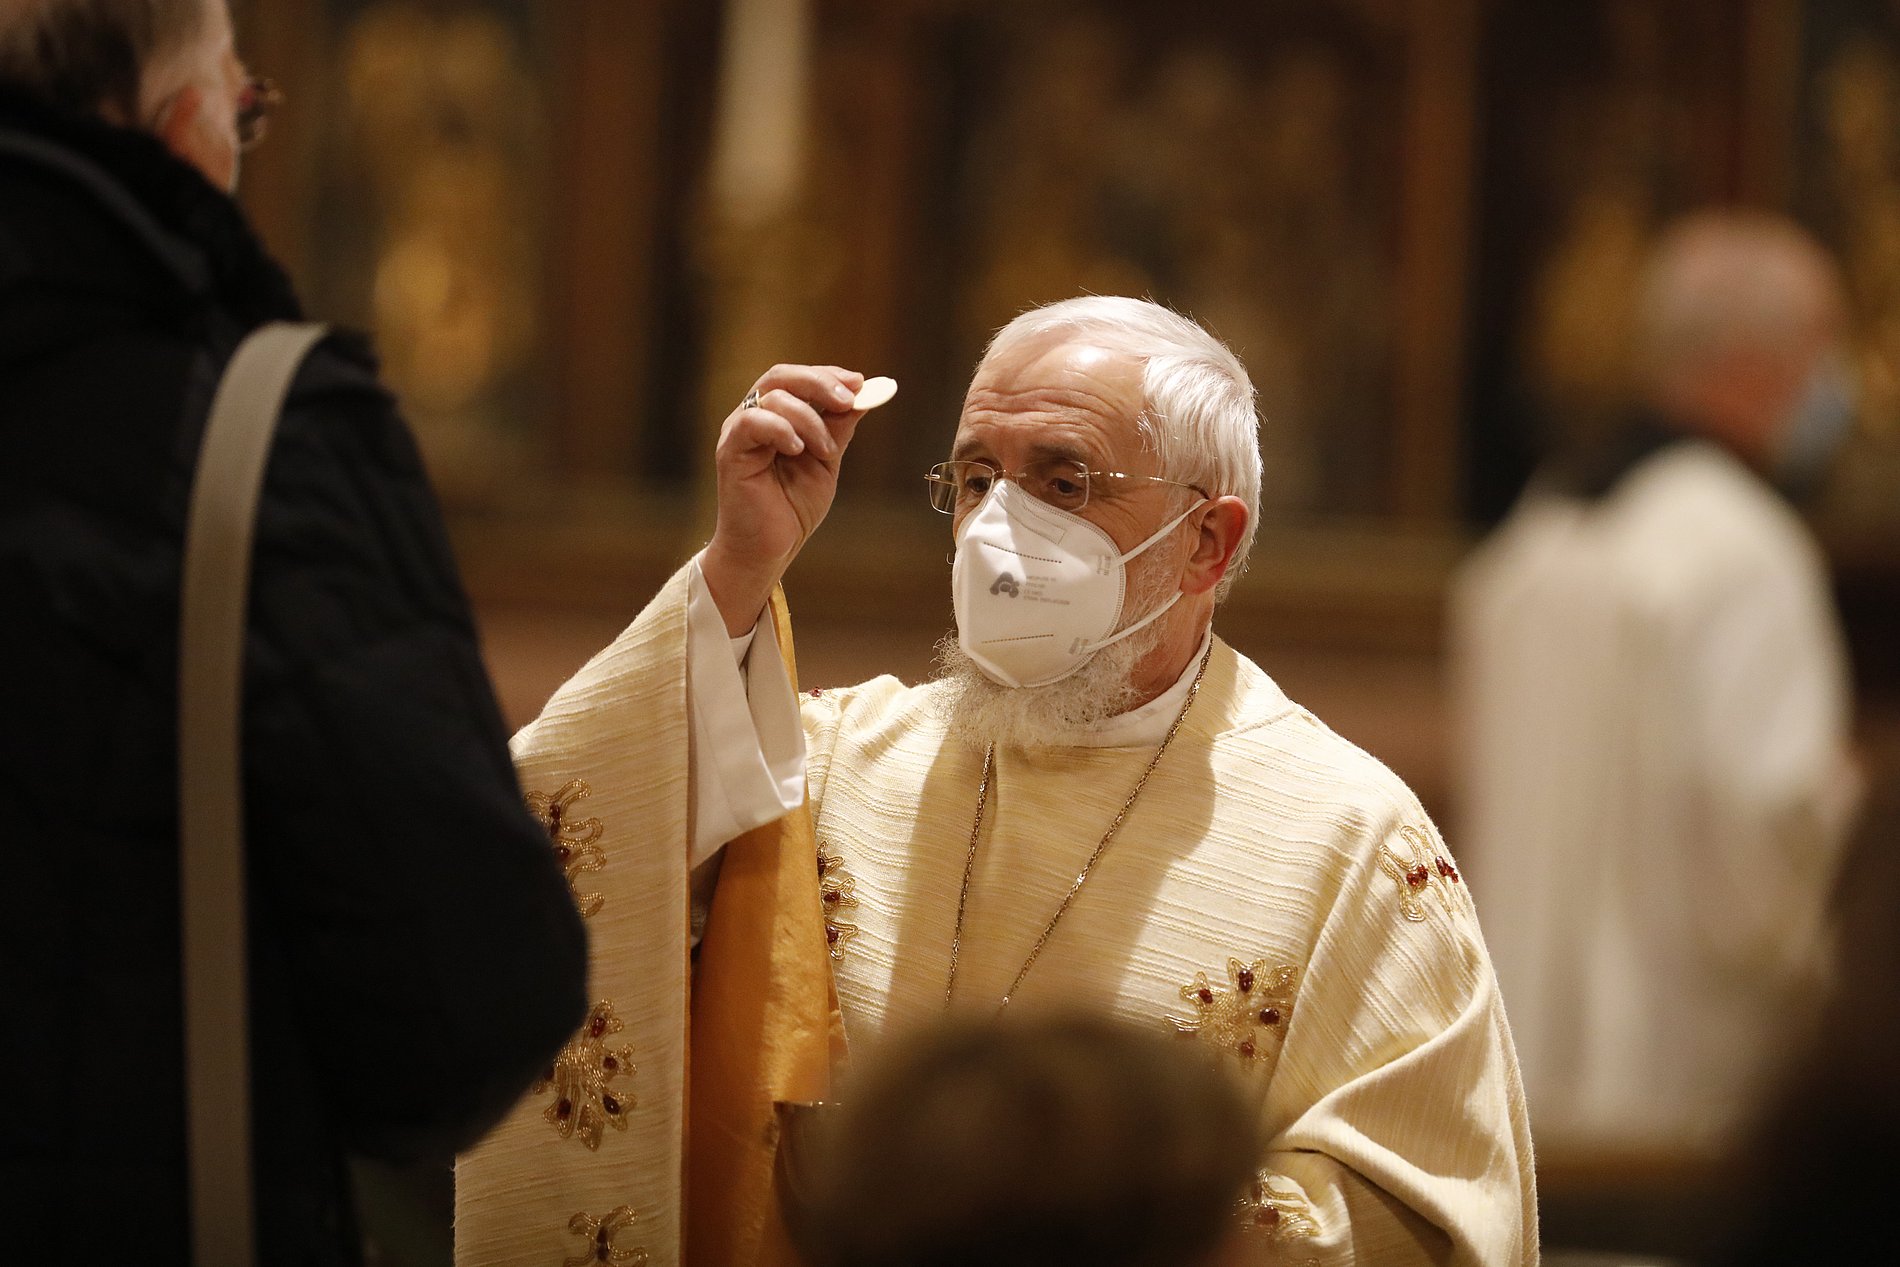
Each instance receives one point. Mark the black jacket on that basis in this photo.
(415, 955)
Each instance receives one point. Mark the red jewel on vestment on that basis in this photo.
(576, 844)
(583, 1103)
(1278, 1212)
(1248, 1021)
(601, 1235)
(1412, 859)
(837, 893)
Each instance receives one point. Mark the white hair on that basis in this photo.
(1197, 401)
(1722, 282)
(95, 56)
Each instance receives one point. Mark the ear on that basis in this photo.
(180, 116)
(183, 128)
(1222, 525)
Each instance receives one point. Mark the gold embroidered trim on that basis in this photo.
(585, 1100)
(1279, 1212)
(601, 1235)
(838, 890)
(574, 842)
(1249, 1021)
(1418, 870)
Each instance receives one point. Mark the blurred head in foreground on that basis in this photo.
(1068, 1141)
(1739, 332)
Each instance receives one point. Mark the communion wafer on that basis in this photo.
(875, 392)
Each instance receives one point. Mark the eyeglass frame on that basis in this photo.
(935, 480)
(256, 99)
(255, 102)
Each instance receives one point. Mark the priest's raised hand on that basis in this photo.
(777, 465)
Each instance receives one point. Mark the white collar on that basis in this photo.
(1143, 727)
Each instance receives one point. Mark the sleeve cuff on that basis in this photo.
(748, 743)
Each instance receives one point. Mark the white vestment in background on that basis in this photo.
(1655, 790)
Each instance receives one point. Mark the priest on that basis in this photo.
(1654, 698)
(1097, 805)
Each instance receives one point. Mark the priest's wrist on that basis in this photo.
(740, 587)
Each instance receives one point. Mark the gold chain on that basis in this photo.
(976, 833)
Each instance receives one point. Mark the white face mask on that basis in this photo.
(1818, 425)
(1039, 590)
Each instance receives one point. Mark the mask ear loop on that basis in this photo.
(1158, 612)
(1137, 627)
(1166, 528)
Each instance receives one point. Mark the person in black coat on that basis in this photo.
(416, 956)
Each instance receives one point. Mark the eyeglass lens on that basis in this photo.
(1060, 482)
(259, 98)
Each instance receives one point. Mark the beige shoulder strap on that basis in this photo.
(217, 573)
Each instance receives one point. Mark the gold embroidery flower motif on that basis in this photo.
(1249, 1021)
(1419, 869)
(838, 890)
(602, 1237)
(585, 1100)
(1277, 1211)
(574, 841)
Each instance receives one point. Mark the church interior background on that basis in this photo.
(578, 230)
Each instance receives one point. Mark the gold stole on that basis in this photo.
(764, 1025)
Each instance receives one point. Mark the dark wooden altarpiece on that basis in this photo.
(1414, 219)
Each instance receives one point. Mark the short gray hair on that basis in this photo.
(1197, 401)
(92, 56)
(1723, 281)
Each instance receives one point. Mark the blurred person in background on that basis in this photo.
(415, 953)
(1065, 1140)
(1277, 893)
(1656, 776)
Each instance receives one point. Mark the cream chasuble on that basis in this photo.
(1276, 897)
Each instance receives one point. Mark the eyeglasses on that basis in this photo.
(255, 102)
(1061, 482)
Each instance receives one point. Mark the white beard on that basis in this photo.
(981, 711)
